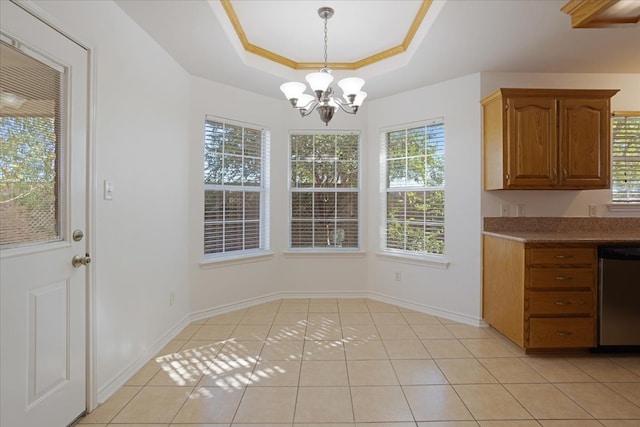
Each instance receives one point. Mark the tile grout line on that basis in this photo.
(346, 367)
(295, 403)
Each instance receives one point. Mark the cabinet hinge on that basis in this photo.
(506, 106)
(506, 177)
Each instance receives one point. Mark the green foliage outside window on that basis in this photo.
(234, 188)
(415, 189)
(28, 172)
(625, 171)
(324, 190)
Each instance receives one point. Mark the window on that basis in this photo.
(626, 157)
(324, 189)
(414, 172)
(32, 150)
(235, 187)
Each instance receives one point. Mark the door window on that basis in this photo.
(31, 160)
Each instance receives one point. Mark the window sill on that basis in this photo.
(624, 207)
(435, 261)
(324, 253)
(226, 260)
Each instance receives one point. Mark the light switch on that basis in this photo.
(108, 190)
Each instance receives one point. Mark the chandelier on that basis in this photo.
(324, 100)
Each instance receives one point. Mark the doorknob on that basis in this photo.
(79, 260)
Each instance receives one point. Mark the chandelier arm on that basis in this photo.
(347, 108)
(304, 107)
(304, 112)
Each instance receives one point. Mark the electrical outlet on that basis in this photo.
(172, 298)
(521, 210)
(504, 209)
(398, 276)
(593, 210)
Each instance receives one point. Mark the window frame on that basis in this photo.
(621, 204)
(413, 257)
(263, 249)
(291, 190)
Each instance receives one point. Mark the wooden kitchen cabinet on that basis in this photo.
(541, 296)
(547, 139)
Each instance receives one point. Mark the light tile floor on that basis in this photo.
(360, 362)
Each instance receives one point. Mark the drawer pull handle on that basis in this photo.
(562, 303)
(564, 256)
(564, 333)
(563, 277)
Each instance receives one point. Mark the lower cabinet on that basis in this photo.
(541, 296)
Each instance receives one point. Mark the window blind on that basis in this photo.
(32, 149)
(235, 199)
(626, 157)
(324, 190)
(414, 173)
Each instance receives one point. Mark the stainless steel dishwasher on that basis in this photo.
(619, 296)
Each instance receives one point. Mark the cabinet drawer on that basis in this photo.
(561, 302)
(563, 256)
(561, 278)
(562, 333)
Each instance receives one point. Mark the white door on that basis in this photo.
(43, 137)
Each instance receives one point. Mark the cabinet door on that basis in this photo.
(532, 134)
(584, 143)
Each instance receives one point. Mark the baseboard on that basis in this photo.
(422, 308)
(226, 308)
(121, 378)
(203, 314)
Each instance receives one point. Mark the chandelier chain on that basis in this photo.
(325, 41)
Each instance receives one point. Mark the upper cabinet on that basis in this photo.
(603, 13)
(547, 139)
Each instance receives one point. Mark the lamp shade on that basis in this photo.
(360, 96)
(319, 81)
(351, 85)
(293, 90)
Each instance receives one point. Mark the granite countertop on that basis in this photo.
(564, 230)
(567, 237)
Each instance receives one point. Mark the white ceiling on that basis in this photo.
(456, 38)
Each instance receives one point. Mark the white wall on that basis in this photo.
(217, 285)
(141, 128)
(561, 203)
(325, 274)
(455, 291)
